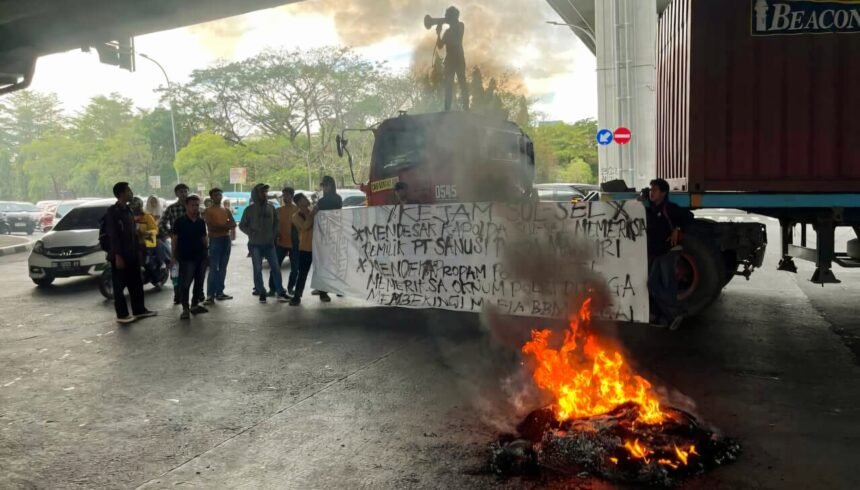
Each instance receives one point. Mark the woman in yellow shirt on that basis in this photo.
(147, 229)
(303, 219)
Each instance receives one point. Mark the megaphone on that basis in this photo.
(433, 21)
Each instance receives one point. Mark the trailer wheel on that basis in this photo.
(854, 248)
(701, 271)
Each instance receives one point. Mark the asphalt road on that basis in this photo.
(343, 395)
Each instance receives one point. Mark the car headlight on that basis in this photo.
(39, 247)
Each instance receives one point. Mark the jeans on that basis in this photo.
(128, 277)
(191, 271)
(663, 286)
(294, 267)
(305, 261)
(219, 257)
(258, 253)
(293, 254)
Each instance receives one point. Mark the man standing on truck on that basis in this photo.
(665, 222)
(455, 58)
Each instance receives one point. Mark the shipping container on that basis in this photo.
(759, 96)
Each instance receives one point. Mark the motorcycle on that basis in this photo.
(151, 271)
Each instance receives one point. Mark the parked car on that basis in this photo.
(56, 212)
(352, 197)
(71, 248)
(562, 192)
(21, 217)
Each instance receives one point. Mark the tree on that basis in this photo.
(560, 147)
(207, 160)
(24, 117)
(49, 163)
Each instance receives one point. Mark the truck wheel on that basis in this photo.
(731, 262)
(854, 248)
(701, 271)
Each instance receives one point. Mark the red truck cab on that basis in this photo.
(449, 157)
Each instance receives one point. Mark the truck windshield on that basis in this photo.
(505, 146)
(398, 149)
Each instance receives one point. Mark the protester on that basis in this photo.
(153, 207)
(147, 230)
(124, 252)
(207, 203)
(665, 222)
(189, 251)
(303, 220)
(171, 214)
(260, 223)
(220, 223)
(330, 200)
(287, 242)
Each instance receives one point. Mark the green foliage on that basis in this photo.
(207, 160)
(566, 152)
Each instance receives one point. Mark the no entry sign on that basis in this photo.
(622, 136)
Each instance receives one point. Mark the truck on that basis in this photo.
(446, 157)
(756, 111)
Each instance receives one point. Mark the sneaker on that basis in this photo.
(291, 292)
(255, 293)
(209, 302)
(185, 315)
(283, 297)
(176, 302)
(325, 298)
(197, 310)
(262, 299)
(146, 314)
(295, 301)
(125, 320)
(315, 293)
(223, 297)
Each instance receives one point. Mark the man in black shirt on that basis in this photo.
(190, 250)
(455, 59)
(329, 200)
(124, 255)
(665, 223)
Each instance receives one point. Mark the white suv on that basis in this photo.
(72, 246)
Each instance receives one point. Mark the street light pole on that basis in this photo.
(170, 95)
(581, 29)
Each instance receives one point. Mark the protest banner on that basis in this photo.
(457, 256)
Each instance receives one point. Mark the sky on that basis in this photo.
(557, 68)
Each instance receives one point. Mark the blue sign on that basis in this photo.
(604, 137)
(778, 17)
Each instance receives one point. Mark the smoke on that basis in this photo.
(221, 37)
(501, 35)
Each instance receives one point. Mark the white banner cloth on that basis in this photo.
(452, 256)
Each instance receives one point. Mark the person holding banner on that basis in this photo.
(303, 220)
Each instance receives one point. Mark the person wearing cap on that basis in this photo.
(168, 219)
(330, 200)
(260, 223)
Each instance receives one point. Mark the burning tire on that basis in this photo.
(701, 270)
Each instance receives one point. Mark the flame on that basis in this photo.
(591, 380)
(684, 455)
(637, 450)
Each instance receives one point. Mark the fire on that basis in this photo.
(586, 378)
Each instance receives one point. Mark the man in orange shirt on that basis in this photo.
(287, 240)
(220, 224)
(303, 219)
